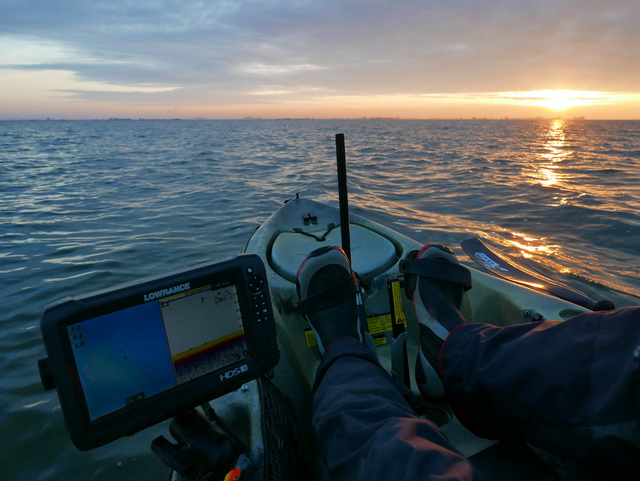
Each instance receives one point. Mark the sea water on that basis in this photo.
(86, 205)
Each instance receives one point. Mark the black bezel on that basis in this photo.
(260, 334)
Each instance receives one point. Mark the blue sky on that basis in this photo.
(235, 58)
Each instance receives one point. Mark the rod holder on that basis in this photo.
(343, 196)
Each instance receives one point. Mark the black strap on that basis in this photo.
(332, 296)
(322, 238)
(439, 269)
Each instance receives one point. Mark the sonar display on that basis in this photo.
(197, 345)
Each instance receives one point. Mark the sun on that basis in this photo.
(560, 99)
(556, 100)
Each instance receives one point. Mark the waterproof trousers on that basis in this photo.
(569, 387)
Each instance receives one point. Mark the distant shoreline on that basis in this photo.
(258, 119)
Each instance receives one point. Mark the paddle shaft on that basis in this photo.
(343, 196)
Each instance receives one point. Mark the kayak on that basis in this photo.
(274, 417)
(228, 336)
(252, 370)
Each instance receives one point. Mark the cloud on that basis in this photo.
(227, 49)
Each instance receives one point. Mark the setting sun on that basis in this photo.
(563, 99)
(566, 99)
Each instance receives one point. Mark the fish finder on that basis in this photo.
(126, 358)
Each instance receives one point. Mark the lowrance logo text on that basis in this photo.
(167, 292)
(234, 372)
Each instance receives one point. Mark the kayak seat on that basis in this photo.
(372, 254)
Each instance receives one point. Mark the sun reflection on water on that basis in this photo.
(528, 245)
(553, 151)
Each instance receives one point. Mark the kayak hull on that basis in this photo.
(302, 225)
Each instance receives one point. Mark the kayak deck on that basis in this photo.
(283, 242)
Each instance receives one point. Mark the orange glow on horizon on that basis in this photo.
(563, 99)
(60, 95)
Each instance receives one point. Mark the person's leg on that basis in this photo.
(435, 282)
(570, 387)
(367, 431)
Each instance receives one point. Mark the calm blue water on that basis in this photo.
(85, 205)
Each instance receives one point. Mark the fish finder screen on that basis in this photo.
(127, 356)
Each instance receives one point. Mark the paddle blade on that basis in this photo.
(499, 264)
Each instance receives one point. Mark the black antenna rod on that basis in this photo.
(343, 197)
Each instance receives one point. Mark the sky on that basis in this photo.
(77, 59)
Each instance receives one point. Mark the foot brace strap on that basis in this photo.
(438, 269)
(332, 296)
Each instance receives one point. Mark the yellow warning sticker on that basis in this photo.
(379, 341)
(311, 339)
(397, 304)
(379, 324)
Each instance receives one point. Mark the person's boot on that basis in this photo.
(326, 288)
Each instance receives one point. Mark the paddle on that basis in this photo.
(507, 267)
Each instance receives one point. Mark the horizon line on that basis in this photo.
(131, 119)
